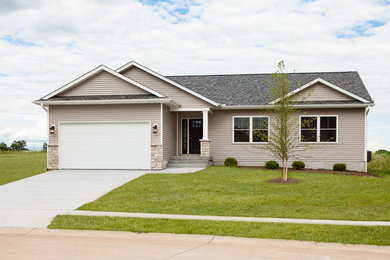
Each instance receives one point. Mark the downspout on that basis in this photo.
(43, 107)
(47, 136)
(365, 137)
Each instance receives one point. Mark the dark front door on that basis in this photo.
(195, 134)
(192, 132)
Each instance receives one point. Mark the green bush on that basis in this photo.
(298, 165)
(339, 167)
(231, 162)
(382, 151)
(272, 165)
(379, 165)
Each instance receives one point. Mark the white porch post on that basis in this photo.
(205, 125)
(205, 142)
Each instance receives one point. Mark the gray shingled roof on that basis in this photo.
(99, 97)
(250, 89)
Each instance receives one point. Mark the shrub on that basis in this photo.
(298, 165)
(231, 162)
(272, 165)
(382, 151)
(379, 165)
(339, 167)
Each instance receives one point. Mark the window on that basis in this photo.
(241, 129)
(309, 129)
(260, 129)
(250, 129)
(328, 129)
(321, 129)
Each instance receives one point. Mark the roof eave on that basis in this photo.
(107, 102)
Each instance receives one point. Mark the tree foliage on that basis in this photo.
(3, 147)
(19, 145)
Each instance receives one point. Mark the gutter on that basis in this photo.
(225, 107)
(106, 102)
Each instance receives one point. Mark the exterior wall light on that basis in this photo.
(52, 129)
(155, 129)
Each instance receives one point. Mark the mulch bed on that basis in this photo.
(355, 173)
(280, 180)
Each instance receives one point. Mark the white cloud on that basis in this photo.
(72, 37)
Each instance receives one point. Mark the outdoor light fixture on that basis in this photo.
(154, 127)
(52, 129)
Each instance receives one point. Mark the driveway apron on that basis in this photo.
(35, 201)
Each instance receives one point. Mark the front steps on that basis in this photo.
(188, 161)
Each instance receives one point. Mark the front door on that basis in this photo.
(192, 132)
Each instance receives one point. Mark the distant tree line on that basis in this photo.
(18, 145)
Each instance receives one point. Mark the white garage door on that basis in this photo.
(121, 145)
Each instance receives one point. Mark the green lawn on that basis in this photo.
(18, 165)
(244, 192)
(320, 233)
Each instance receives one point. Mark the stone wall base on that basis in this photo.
(52, 156)
(157, 157)
(205, 148)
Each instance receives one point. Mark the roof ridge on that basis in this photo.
(243, 74)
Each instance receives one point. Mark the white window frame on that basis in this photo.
(319, 129)
(250, 130)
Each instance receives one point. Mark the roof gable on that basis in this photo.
(89, 75)
(104, 83)
(165, 79)
(321, 90)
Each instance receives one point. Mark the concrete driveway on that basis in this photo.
(35, 201)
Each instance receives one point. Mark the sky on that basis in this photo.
(45, 44)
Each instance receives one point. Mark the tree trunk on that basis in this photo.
(285, 170)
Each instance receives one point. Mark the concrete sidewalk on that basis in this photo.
(227, 218)
(25, 243)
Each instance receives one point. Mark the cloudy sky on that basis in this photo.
(45, 44)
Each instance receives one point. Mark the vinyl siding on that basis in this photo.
(320, 92)
(185, 99)
(104, 83)
(350, 146)
(169, 133)
(81, 113)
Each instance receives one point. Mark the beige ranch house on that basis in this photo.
(136, 118)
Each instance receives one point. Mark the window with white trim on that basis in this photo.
(250, 129)
(318, 129)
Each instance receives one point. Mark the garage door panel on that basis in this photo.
(104, 145)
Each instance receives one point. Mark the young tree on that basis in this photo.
(44, 147)
(283, 138)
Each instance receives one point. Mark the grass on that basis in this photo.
(244, 192)
(380, 164)
(320, 233)
(18, 165)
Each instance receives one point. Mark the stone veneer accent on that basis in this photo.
(157, 157)
(205, 148)
(52, 156)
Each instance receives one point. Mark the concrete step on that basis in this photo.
(187, 165)
(188, 157)
(189, 161)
